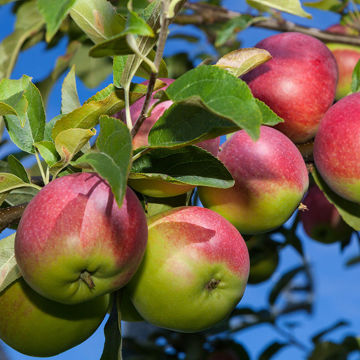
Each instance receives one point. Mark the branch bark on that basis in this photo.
(205, 14)
(10, 215)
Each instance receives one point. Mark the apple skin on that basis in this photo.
(264, 258)
(322, 222)
(194, 271)
(73, 227)
(156, 187)
(270, 180)
(298, 83)
(36, 326)
(337, 148)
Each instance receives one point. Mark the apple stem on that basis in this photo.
(86, 278)
(212, 284)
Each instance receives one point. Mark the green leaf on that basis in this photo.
(68, 143)
(268, 116)
(117, 45)
(187, 165)
(112, 331)
(328, 5)
(283, 282)
(28, 127)
(271, 350)
(69, 96)
(222, 94)
(239, 62)
(10, 181)
(348, 210)
(54, 12)
(113, 160)
(29, 22)
(353, 261)
(17, 168)
(355, 83)
(21, 195)
(185, 123)
(9, 271)
(48, 152)
(98, 19)
(289, 6)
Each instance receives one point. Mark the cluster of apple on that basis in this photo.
(184, 269)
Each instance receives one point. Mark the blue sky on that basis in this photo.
(336, 296)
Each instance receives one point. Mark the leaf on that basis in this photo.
(29, 22)
(68, 143)
(54, 12)
(240, 62)
(185, 124)
(69, 96)
(10, 181)
(9, 271)
(117, 45)
(222, 94)
(328, 351)
(355, 83)
(271, 350)
(21, 195)
(283, 282)
(317, 337)
(48, 152)
(27, 128)
(289, 6)
(348, 210)
(353, 261)
(187, 165)
(268, 116)
(329, 5)
(17, 168)
(229, 29)
(113, 338)
(113, 160)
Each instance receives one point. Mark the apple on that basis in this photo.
(346, 57)
(270, 180)
(141, 138)
(194, 271)
(37, 326)
(264, 258)
(156, 187)
(321, 220)
(74, 243)
(337, 148)
(298, 83)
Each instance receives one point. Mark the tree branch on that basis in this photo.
(10, 214)
(205, 14)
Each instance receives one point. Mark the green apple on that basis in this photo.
(194, 271)
(74, 243)
(37, 326)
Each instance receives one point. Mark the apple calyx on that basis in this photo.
(85, 276)
(212, 284)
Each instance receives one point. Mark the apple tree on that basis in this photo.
(162, 196)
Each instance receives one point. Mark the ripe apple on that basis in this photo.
(298, 83)
(321, 220)
(264, 258)
(37, 326)
(270, 180)
(346, 57)
(194, 271)
(337, 147)
(74, 243)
